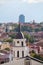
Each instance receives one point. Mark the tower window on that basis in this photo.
(17, 53)
(22, 53)
(22, 43)
(17, 41)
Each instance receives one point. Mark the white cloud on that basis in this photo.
(33, 1)
(2, 1)
(12, 1)
(6, 1)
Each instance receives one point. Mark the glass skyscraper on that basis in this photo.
(22, 18)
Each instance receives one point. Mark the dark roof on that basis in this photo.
(19, 35)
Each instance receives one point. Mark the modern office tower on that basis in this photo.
(22, 18)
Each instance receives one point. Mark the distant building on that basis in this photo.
(33, 22)
(3, 36)
(4, 45)
(6, 30)
(4, 58)
(2, 28)
(40, 45)
(37, 47)
(22, 18)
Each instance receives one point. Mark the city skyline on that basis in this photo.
(11, 9)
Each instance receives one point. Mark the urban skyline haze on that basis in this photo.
(11, 9)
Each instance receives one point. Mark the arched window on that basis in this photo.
(17, 53)
(22, 43)
(22, 53)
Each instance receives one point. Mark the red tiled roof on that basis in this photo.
(40, 43)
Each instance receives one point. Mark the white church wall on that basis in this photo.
(20, 49)
(20, 42)
(19, 45)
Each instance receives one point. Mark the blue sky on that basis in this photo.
(11, 9)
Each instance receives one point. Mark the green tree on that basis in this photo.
(7, 49)
(12, 36)
(9, 40)
(29, 38)
(42, 29)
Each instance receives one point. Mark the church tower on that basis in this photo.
(19, 44)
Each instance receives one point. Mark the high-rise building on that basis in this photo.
(22, 18)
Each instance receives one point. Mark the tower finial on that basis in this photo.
(19, 27)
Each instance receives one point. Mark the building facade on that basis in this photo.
(22, 18)
(19, 47)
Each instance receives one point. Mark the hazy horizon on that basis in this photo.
(11, 9)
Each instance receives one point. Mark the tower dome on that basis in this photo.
(19, 35)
